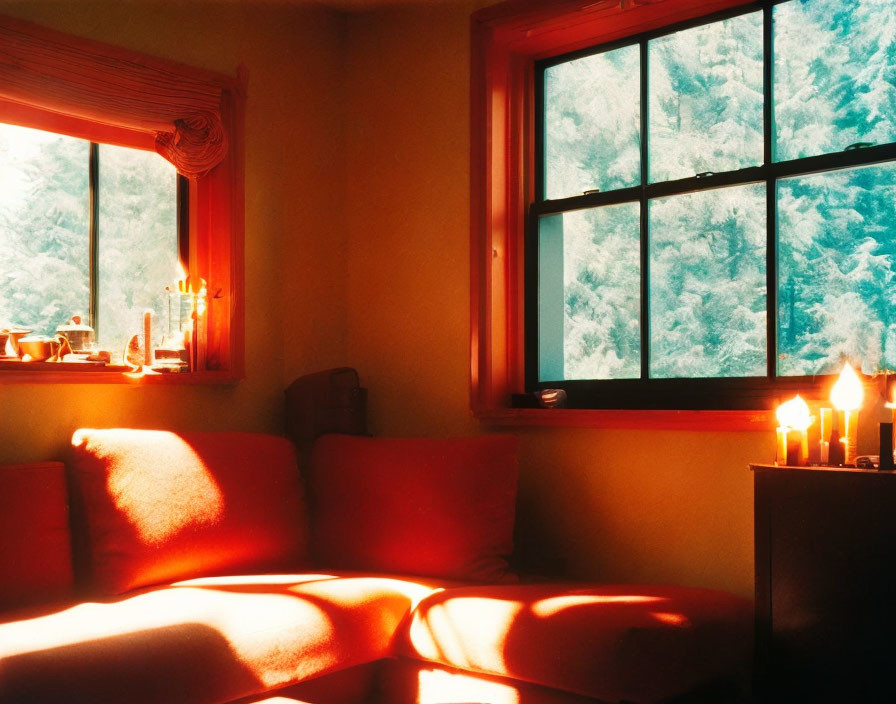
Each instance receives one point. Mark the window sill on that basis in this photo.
(55, 373)
(629, 419)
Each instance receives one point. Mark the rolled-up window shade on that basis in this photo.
(181, 106)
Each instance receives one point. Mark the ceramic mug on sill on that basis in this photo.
(39, 348)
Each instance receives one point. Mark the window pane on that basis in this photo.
(589, 294)
(44, 277)
(707, 284)
(137, 241)
(835, 75)
(592, 123)
(706, 99)
(836, 250)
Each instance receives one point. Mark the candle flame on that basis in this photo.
(794, 414)
(847, 393)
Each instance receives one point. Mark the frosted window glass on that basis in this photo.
(589, 310)
(705, 87)
(592, 123)
(137, 241)
(707, 284)
(834, 75)
(44, 221)
(836, 252)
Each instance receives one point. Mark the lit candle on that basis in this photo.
(847, 395)
(793, 432)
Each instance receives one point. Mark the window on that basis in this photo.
(709, 213)
(115, 167)
(85, 229)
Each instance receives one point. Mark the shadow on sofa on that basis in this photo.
(181, 663)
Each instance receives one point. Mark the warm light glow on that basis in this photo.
(555, 604)
(847, 393)
(436, 687)
(178, 494)
(794, 414)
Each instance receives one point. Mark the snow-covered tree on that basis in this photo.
(45, 240)
(834, 85)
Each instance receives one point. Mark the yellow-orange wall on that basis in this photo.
(296, 319)
(357, 243)
(618, 505)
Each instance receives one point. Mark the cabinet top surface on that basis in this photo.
(819, 468)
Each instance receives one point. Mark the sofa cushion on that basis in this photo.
(437, 507)
(35, 550)
(614, 643)
(205, 640)
(161, 506)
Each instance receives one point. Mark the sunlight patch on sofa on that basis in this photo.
(556, 604)
(440, 633)
(177, 493)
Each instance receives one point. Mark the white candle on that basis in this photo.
(847, 396)
(147, 338)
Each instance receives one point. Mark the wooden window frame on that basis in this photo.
(506, 40)
(216, 232)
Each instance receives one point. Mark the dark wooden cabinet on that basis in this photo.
(825, 584)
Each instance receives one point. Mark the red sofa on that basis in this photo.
(200, 567)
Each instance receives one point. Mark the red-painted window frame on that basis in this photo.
(507, 39)
(216, 233)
